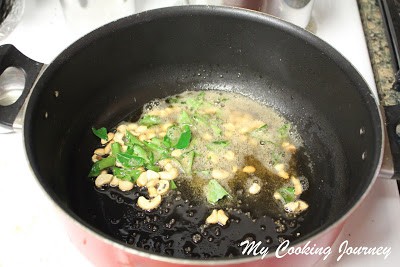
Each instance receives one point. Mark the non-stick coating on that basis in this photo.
(115, 70)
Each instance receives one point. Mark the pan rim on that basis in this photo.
(147, 16)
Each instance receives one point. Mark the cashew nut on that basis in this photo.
(122, 128)
(152, 175)
(141, 129)
(142, 180)
(213, 218)
(164, 162)
(134, 133)
(229, 155)
(125, 185)
(100, 152)
(283, 174)
(169, 175)
(234, 169)
(254, 189)
(163, 187)
(103, 179)
(152, 191)
(210, 110)
(168, 166)
(298, 189)
(95, 158)
(291, 206)
(207, 137)
(217, 217)
(228, 134)
(302, 206)
(222, 218)
(176, 153)
(107, 148)
(150, 135)
(152, 183)
(165, 126)
(132, 126)
(118, 138)
(279, 167)
(288, 147)
(152, 178)
(249, 169)
(114, 182)
(219, 174)
(296, 206)
(278, 196)
(149, 204)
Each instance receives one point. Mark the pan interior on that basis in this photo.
(113, 72)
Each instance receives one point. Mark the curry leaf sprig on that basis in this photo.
(128, 164)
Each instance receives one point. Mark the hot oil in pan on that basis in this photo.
(177, 227)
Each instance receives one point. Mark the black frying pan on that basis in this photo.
(110, 73)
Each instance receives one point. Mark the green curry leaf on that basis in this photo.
(149, 120)
(100, 165)
(215, 191)
(172, 185)
(100, 133)
(184, 118)
(126, 174)
(184, 139)
(284, 130)
(129, 161)
(132, 140)
(178, 137)
(287, 194)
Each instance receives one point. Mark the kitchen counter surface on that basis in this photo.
(381, 59)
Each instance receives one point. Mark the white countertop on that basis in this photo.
(31, 233)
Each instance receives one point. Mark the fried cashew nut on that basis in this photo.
(149, 204)
(249, 169)
(125, 185)
(163, 187)
(254, 189)
(298, 189)
(296, 206)
(171, 174)
(217, 217)
(142, 180)
(103, 179)
(213, 218)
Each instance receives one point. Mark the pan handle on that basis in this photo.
(391, 157)
(12, 57)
